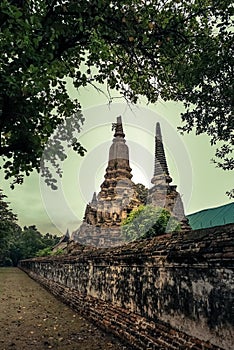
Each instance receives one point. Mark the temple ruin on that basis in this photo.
(119, 194)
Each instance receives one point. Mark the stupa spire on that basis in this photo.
(162, 194)
(118, 167)
(118, 126)
(119, 149)
(160, 163)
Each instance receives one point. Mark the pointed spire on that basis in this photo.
(94, 199)
(158, 133)
(118, 149)
(66, 237)
(118, 128)
(67, 234)
(118, 163)
(160, 163)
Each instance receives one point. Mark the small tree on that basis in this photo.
(44, 252)
(16, 244)
(50, 240)
(148, 221)
(8, 230)
(31, 242)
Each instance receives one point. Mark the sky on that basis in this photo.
(200, 183)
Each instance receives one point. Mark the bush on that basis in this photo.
(59, 251)
(148, 221)
(44, 252)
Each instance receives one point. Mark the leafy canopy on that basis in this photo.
(15, 243)
(6, 213)
(167, 49)
(8, 227)
(148, 221)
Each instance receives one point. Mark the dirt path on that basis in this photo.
(33, 319)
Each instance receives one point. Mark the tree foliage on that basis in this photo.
(148, 221)
(15, 243)
(24, 244)
(8, 227)
(162, 49)
(6, 213)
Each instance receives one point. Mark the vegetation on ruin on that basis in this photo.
(148, 221)
(49, 251)
(168, 50)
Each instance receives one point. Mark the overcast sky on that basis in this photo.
(200, 183)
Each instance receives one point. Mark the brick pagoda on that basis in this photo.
(119, 196)
(162, 194)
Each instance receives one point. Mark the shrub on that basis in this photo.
(148, 221)
(59, 251)
(44, 252)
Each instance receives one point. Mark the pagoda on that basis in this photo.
(163, 194)
(117, 198)
(119, 195)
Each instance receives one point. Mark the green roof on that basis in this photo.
(212, 217)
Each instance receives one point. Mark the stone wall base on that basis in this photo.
(130, 327)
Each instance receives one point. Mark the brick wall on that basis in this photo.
(170, 292)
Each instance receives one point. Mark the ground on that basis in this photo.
(32, 318)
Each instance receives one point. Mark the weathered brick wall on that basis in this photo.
(171, 292)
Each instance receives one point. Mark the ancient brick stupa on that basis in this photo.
(119, 195)
(163, 194)
(117, 198)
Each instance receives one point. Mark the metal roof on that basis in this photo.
(212, 217)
